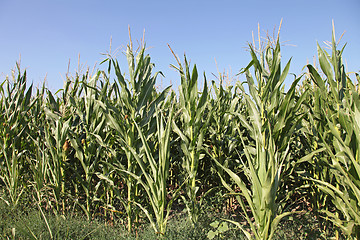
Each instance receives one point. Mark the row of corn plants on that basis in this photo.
(111, 145)
(335, 142)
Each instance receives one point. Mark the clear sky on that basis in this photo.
(49, 33)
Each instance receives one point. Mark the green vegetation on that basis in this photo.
(107, 158)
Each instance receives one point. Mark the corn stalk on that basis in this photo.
(135, 102)
(191, 130)
(15, 105)
(270, 120)
(154, 180)
(88, 137)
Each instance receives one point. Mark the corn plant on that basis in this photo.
(270, 120)
(344, 153)
(88, 136)
(340, 139)
(221, 142)
(56, 136)
(154, 179)
(15, 105)
(220, 139)
(312, 159)
(191, 131)
(39, 167)
(38, 162)
(135, 101)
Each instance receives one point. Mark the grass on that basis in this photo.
(30, 224)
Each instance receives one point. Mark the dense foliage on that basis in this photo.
(122, 150)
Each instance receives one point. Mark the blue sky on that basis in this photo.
(49, 33)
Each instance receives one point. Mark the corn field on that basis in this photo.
(111, 144)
